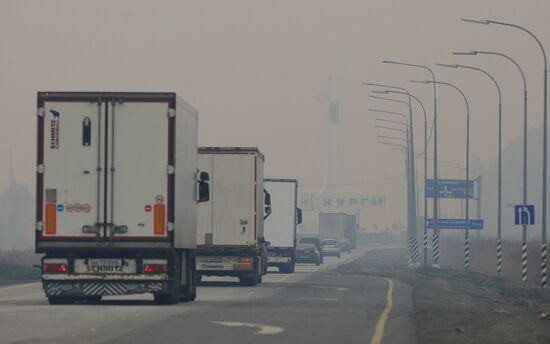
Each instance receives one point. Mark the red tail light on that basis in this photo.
(155, 268)
(54, 268)
(246, 260)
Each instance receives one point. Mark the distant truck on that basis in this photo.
(280, 227)
(117, 186)
(333, 225)
(230, 235)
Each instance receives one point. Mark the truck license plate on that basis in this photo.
(105, 266)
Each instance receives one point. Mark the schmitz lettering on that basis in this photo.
(54, 130)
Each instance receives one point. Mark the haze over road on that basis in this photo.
(316, 304)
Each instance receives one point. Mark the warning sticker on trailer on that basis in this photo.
(77, 207)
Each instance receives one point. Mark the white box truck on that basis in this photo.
(117, 187)
(333, 225)
(230, 235)
(280, 227)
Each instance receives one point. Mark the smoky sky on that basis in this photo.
(256, 71)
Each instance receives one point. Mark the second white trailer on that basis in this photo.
(280, 227)
(230, 232)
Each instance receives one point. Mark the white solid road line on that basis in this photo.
(263, 329)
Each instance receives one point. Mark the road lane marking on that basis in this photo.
(329, 287)
(319, 298)
(263, 329)
(379, 330)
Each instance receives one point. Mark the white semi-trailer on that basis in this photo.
(280, 227)
(117, 187)
(230, 235)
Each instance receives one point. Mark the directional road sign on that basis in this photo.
(450, 188)
(475, 224)
(524, 214)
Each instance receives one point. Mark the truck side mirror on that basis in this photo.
(298, 216)
(204, 191)
(267, 204)
(204, 176)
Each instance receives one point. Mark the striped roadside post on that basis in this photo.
(524, 262)
(466, 251)
(435, 247)
(499, 257)
(416, 251)
(409, 248)
(425, 245)
(543, 282)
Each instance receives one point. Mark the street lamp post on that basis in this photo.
(412, 230)
(435, 239)
(425, 228)
(543, 282)
(411, 197)
(467, 231)
(524, 229)
(499, 182)
(412, 216)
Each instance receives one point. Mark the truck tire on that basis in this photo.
(60, 300)
(287, 269)
(318, 262)
(250, 281)
(189, 292)
(92, 299)
(172, 294)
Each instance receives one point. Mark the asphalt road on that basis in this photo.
(313, 305)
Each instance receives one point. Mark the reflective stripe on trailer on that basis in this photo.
(160, 226)
(51, 221)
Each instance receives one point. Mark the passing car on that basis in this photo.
(331, 247)
(313, 240)
(345, 245)
(308, 253)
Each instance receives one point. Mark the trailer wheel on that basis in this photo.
(189, 293)
(92, 299)
(250, 281)
(60, 300)
(172, 294)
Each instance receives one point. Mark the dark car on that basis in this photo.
(308, 253)
(315, 241)
(345, 245)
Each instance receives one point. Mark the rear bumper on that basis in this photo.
(102, 288)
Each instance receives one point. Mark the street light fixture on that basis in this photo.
(412, 229)
(479, 52)
(426, 139)
(467, 231)
(435, 239)
(543, 282)
(499, 201)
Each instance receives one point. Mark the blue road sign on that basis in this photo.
(450, 188)
(475, 224)
(524, 214)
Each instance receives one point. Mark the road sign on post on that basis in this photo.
(475, 224)
(450, 188)
(524, 214)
